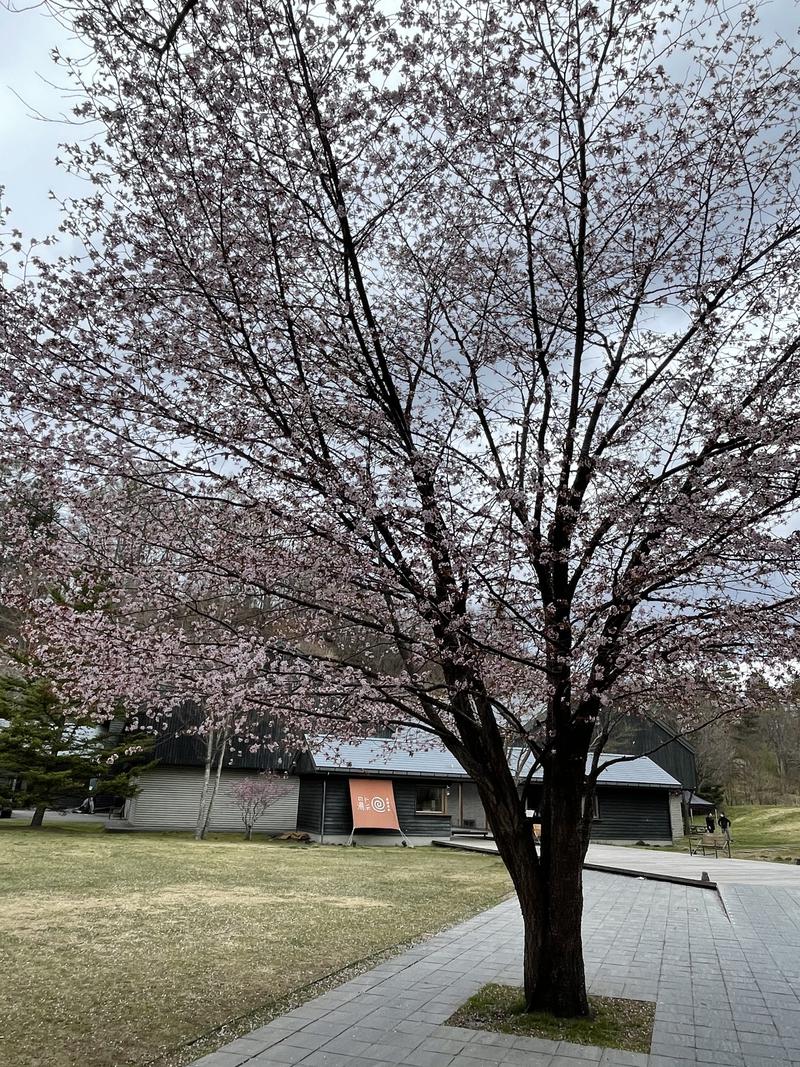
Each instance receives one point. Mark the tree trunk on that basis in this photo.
(202, 821)
(248, 835)
(549, 883)
(215, 786)
(530, 897)
(561, 985)
(38, 815)
(549, 887)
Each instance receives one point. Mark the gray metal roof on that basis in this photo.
(632, 770)
(414, 754)
(640, 771)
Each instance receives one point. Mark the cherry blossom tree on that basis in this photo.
(462, 338)
(254, 795)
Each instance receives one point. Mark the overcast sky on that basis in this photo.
(28, 146)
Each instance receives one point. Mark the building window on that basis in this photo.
(431, 800)
(595, 808)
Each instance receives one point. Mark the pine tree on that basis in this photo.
(55, 750)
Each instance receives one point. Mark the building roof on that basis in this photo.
(641, 771)
(414, 754)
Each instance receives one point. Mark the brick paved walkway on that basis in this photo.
(727, 991)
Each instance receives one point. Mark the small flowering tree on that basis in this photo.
(252, 796)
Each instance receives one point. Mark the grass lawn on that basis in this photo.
(763, 832)
(613, 1023)
(760, 831)
(118, 949)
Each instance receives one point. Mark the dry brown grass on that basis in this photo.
(123, 948)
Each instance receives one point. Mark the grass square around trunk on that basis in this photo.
(614, 1022)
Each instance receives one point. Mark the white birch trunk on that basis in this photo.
(215, 786)
(202, 819)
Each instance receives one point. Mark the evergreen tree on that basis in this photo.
(54, 749)
(713, 790)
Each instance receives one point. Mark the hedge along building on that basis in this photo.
(433, 795)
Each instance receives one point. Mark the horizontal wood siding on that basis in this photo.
(627, 813)
(645, 737)
(405, 795)
(309, 805)
(676, 815)
(170, 799)
(632, 815)
(339, 815)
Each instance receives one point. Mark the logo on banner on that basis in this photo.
(371, 803)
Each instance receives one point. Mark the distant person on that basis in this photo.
(725, 826)
(710, 823)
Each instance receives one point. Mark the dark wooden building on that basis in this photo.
(644, 735)
(433, 796)
(636, 799)
(423, 781)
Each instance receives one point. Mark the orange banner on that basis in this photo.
(373, 804)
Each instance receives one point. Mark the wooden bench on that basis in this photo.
(704, 844)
